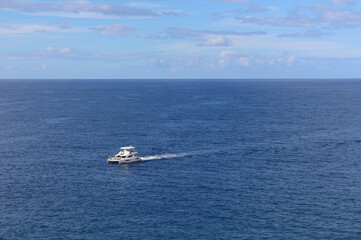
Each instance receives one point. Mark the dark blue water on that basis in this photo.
(261, 159)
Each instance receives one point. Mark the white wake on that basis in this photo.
(179, 155)
(167, 155)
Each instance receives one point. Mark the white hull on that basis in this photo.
(127, 160)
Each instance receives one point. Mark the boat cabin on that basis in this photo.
(126, 155)
(126, 152)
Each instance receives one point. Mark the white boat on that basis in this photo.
(126, 155)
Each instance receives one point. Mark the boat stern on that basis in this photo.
(113, 161)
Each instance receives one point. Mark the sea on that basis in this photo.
(221, 159)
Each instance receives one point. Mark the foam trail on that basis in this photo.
(178, 155)
(167, 155)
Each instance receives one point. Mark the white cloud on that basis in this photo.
(24, 29)
(342, 2)
(65, 50)
(235, 58)
(302, 46)
(297, 21)
(151, 36)
(291, 60)
(215, 41)
(225, 56)
(208, 38)
(243, 61)
(10, 29)
(306, 34)
(82, 9)
(115, 29)
(143, 4)
(342, 18)
(308, 17)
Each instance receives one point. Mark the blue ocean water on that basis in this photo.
(225, 159)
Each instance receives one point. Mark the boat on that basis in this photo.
(126, 155)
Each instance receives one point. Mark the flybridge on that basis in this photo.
(127, 148)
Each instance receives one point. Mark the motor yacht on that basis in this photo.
(126, 155)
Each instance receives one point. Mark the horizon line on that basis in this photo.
(150, 79)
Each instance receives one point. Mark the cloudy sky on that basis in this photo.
(180, 39)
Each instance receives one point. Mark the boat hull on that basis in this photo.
(123, 161)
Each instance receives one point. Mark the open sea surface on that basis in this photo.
(223, 159)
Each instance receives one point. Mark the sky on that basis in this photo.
(180, 39)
